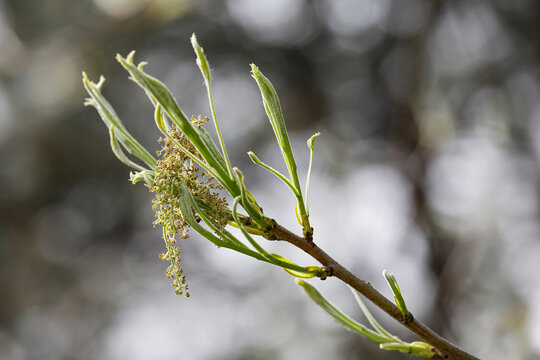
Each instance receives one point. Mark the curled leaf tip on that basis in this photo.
(238, 172)
(141, 65)
(254, 157)
(311, 140)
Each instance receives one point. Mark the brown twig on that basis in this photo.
(446, 349)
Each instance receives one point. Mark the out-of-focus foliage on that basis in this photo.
(435, 103)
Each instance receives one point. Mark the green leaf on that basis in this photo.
(252, 241)
(279, 175)
(304, 273)
(311, 140)
(211, 145)
(374, 323)
(420, 348)
(111, 119)
(248, 202)
(273, 110)
(202, 62)
(117, 150)
(338, 315)
(416, 348)
(311, 145)
(160, 94)
(400, 302)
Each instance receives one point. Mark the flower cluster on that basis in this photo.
(174, 168)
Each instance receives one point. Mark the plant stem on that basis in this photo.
(446, 349)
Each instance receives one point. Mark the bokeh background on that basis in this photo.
(428, 166)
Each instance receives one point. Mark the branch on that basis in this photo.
(446, 349)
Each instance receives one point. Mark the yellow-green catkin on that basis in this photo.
(173, 168)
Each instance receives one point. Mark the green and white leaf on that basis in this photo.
(338, 315)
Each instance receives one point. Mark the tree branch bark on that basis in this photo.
(446, 349)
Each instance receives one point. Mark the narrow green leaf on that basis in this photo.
(396, 346)
(305, 273)
(273, 110)
(338, 315)
(420, 348)
(279, 175)
(392, 282)
(160, 94)
(252, 241)
(211, 145)
(157, 92)
(110, 118)
(416, 348)
(249, 229)
(160, 120)
(202, 62)
(251, 208)
(374, 323)
(106, 111)
(311, 145)
(187, 204)
(117, 150)
(311, 140)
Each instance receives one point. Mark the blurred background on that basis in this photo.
(428, 166)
